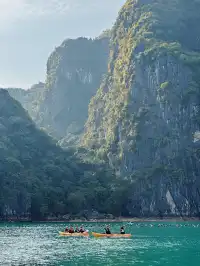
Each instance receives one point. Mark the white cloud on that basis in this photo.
(47, 7)
(12, 10)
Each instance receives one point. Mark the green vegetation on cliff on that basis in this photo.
(144, 32)
(74, 72)
(145, 114)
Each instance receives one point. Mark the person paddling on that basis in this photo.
(81, 229)
(77, 230)
(122, 230)
(71, 230)
(67, 229)
(107, 229)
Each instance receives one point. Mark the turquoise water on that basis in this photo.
(34, 244)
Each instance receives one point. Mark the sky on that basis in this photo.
(31, 29)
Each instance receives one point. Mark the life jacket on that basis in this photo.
(122, 231)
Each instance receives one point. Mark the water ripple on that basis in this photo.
(40, 245)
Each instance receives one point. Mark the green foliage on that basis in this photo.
(40, 180)
(164, 85)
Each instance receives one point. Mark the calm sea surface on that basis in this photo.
(31, 244)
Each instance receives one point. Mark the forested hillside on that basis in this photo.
(39, 180)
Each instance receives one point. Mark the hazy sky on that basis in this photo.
(31, 29)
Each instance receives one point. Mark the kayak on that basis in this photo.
(111, 235)
(73, 234)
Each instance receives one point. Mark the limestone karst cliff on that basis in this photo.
(144, 118)
(74, 72)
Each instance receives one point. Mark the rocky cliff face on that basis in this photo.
(74, 72)
(144, 117)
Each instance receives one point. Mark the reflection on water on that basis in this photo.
(39, 244)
